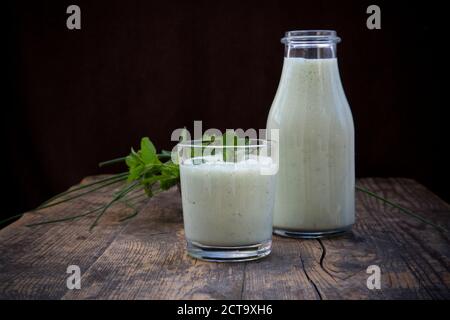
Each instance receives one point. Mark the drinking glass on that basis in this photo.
(228, 198)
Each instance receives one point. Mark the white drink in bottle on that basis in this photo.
(315, 190)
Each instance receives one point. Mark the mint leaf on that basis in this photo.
(148, 152)
(135, 172)
(167, 182)
(131, 161)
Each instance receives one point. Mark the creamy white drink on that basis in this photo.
(227, 204)
(316, 179)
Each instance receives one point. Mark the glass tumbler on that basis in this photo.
(228, 198)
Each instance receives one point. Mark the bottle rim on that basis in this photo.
(310, 37)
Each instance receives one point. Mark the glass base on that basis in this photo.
(304, 234)
(228, 254)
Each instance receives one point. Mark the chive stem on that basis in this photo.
(124, 191)
(113, 161)
(402, 209)
(84, 186)
(119, 179)
(70, 218)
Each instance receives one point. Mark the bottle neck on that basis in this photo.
(323, 51)
(310, 44)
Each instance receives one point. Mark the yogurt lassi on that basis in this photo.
(316, 181)
(227, 206)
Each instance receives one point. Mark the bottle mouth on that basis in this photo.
(310, 37)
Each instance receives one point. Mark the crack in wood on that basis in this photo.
(328, 272)
(322, 260)
(310, 280)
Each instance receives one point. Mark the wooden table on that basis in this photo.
(145, 258)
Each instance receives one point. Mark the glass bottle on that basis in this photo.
(315, 190)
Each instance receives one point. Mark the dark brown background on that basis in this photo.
(137, 68)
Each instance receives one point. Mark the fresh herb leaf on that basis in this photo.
(148, 152)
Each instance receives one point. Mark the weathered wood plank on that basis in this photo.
(421, 252)
(34, 260)
(413, 257)
(144, 257)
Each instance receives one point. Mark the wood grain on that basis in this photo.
(144, 257)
